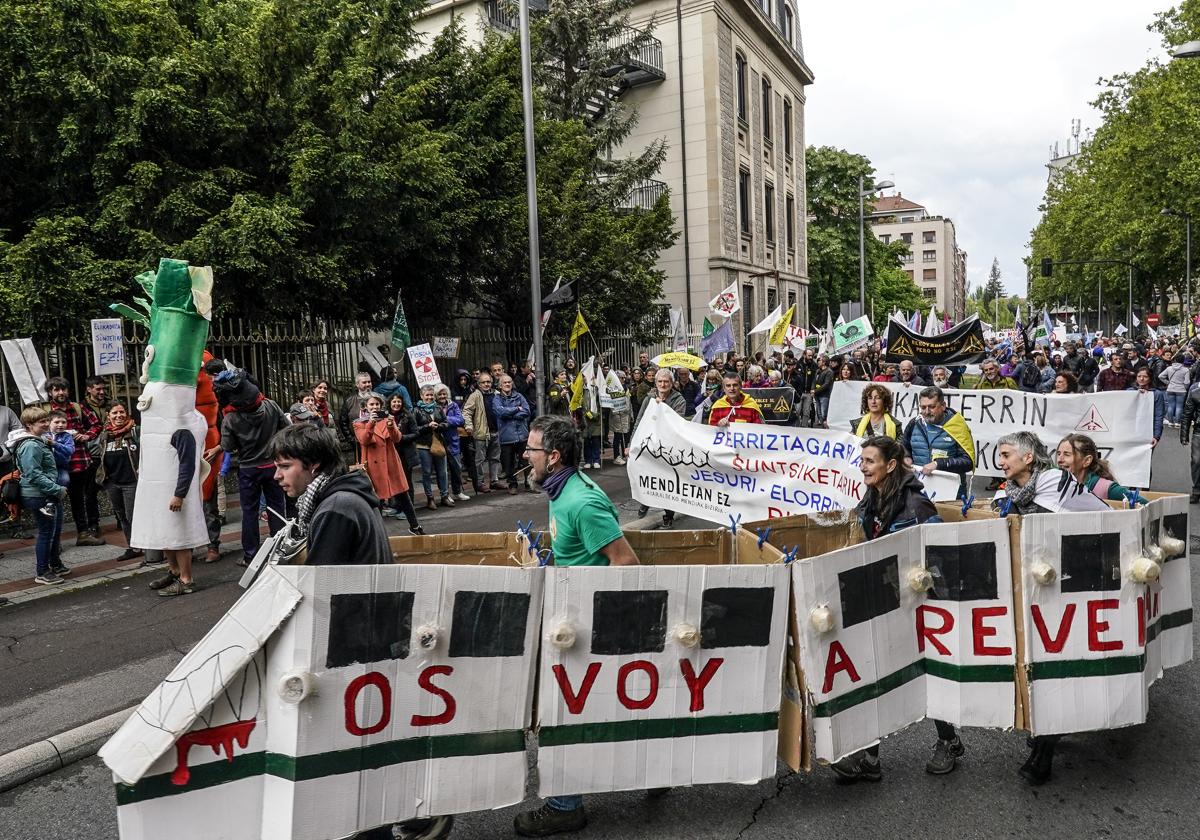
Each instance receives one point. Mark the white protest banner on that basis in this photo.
(108, 346)
(423, 365)
(446, 347)
(756, 471)
(914, 624)
(26, 369)
(1120, 422)
(375, 702)
(658, 676)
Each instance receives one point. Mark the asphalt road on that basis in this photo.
(101, 649)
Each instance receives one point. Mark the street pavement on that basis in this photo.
(69, 659)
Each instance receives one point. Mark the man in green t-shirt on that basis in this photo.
(583, 532)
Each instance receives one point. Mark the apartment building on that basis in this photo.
(934, 261)
(722, 81)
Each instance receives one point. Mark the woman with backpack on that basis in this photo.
(117, 449)
(41, 494)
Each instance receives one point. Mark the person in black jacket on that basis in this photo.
(894, 500)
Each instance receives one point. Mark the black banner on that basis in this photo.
(961, 345)
(776, 403)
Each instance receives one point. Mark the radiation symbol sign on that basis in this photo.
(900, 347)
(1091, 421)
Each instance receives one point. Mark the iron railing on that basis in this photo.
(644, 60)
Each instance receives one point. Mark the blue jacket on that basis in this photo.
(35, 460)
(512, 412)
(454, 421)
(391, 388)
(922, 438)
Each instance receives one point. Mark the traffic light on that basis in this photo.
(1047, 267)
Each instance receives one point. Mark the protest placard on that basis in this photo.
(425, 368)
(776, 403)
(26, 369)
(1120, 422)
(108, 346)
(750, 469)
(446, 347)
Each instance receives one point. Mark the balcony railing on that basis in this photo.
(503, 14)
(643, 196)
(644, 61)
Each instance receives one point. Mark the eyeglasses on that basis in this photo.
(537, 449)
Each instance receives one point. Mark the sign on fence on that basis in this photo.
(445, 347)
(424, 366)
(1121, 422)
(108, 346)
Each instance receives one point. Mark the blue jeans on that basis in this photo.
(255, 484)
(1175, 407)
(48, 548)
(428, 464)
(822, 408)
(591, 450)
(566, 803)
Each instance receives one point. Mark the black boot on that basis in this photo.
(1036, 769)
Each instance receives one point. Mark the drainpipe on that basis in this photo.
(687, 250)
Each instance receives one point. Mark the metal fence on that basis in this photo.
(283, 357)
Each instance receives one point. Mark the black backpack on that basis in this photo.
(1031, 377)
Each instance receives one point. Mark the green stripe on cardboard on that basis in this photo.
(934, 668)
(645, 730)
(302, 768)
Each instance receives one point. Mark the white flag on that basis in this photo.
(1120, 330)
(933, 325)
(840, 321)
(726, 303)
(1136, 322)
(770, 321)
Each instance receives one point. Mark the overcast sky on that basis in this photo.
(958, 102)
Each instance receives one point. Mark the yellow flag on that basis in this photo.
(577, 393)
(779, 331)
(578, 329)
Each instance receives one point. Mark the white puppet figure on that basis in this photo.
(168, 511)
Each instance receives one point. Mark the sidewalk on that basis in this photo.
(89, 565)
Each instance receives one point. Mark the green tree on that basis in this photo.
(993, 288)
(832, 178)
(1107, 204)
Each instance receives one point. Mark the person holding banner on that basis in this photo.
(1142, 383)
(1078, 456)
(895, 500)
(939, 439)
(735, 406)
(876, 419)
(664, 391)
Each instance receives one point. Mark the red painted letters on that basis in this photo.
(1096, 626)
(838, 660)
(575, 700)
(351, 698)
(927, 634)
(1056, 644)
(623, 678)
(980, 631)
(425, 681)
(697, 684)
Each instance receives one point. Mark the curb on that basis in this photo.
(56, 752)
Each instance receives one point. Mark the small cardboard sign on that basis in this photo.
(446, 347)
(108, 346)
(776, 403)
(425, 368)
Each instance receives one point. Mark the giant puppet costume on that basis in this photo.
(179, 309)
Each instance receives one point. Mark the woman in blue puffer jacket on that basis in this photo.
(512, 413)
(450, 437)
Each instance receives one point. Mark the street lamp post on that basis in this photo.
(535, 268)
(1187, 272)
(862, 248)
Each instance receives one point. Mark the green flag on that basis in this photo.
(708, 329)
(400, 335)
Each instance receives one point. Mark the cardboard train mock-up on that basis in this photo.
(334, 699)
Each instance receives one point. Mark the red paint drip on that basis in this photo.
(220, 738)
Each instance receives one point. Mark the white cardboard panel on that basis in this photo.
(637, 724)
(895, 654)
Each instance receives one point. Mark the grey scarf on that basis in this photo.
(1022, 497)
(308, 500)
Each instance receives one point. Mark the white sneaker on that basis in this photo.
(619, 461)
(596, 466)
(463, 497)
(586, 466)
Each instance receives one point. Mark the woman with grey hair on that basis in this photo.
(664, 392)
